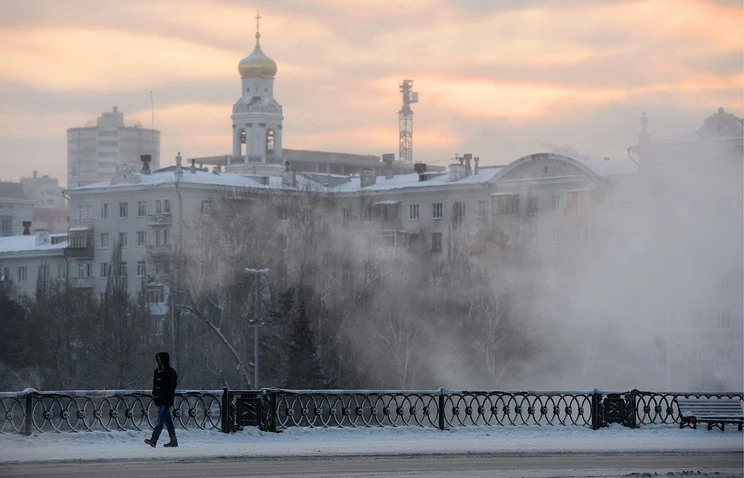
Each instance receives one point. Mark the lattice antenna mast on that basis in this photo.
(405, 122)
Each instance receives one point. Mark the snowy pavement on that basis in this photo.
(93, 446)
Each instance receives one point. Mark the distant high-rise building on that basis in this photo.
(94, 151)
(44, 190)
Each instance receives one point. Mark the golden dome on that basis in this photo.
(257, 65)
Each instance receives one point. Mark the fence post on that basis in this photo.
(29, 413)
(440, 408)
(631, 414)
(225, 410)
(273, 411)
(596, 412)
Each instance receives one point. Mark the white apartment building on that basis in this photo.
(95, 150)
(29, 261)
(16, 210)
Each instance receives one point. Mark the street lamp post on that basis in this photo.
(257, 273)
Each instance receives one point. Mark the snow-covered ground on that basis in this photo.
(321, 442)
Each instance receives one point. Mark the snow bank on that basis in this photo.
(405, 440)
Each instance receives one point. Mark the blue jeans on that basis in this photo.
(164, 418)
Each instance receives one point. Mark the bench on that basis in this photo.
(713, 411)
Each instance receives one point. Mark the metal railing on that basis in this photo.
(32, 411)
(274, 410)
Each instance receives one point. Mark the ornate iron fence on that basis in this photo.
(32, 411)
(445, 409)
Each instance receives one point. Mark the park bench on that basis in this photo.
(713, 411)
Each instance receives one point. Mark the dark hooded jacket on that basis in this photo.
(164, 381)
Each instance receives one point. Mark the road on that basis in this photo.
(481, 465)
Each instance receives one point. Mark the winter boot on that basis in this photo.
(150, 442)
(171, 444)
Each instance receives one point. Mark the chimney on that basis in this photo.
(419, 168)
(264, 180)
(179, 169)
(476, 160)
(367, 177)
(457, 172)
(289, 179)
(26, 228)
(192, 169)
(468, 157)
(388, 160)
(145, 158)
(42, 236)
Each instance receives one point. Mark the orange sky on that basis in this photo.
(496, 78)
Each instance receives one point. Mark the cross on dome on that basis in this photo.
(257, 64)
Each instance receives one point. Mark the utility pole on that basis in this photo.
(257, 273)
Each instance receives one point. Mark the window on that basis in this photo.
(481, 209)
(307, 214)
(436, 211)
(270, 141)
(159, 327)
(556, 235)
(325, 230)
(505, 204)
(723, 319)
(458, 209)
(141, 238)
(206, 207)
(158, 206)
(123, 209)
(283, 212)
(723, 284)
(60, 271)
(22, 274)
(104, 211)
(532, 206)
(388, 238)
(104, 242)
(6, 226)
(42, 273)
(346, 275)
(104, 270)
(413, 212)
(369, 213)
(281, 241)
(161, 237)
(123, 239)
(166, 206)
(141, 269)
(347, 215)
(436, 242)
(155, 295)
(723, 357)
(556, 203)
(141, 208)
(122, 272)
(84, 270)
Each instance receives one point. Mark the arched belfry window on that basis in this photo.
(270, 141)
(242, 137)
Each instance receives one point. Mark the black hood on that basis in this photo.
(164, 358)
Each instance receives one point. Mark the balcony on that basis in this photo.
(159, 249)
(80, 244)
(82, 282)
(159, 219)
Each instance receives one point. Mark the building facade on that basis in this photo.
(94, 151)
(28, 262)
(16, 209)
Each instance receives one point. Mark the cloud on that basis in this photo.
(496, 76)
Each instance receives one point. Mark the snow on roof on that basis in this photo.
(382, 203)
(20, 244)
(406, 181)
(608, 167)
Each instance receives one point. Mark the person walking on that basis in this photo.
(164, 383)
